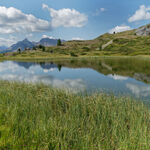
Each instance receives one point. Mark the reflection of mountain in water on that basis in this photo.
(48, 65)
(142, 77)
(29, 73)
(26, 65)
(136, 68)
(43, 65)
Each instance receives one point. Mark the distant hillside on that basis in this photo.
(28, 44)
(3, 48)
(47, 42)
(22, 45)
(133, 42)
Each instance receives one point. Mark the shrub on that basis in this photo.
(43, 49)
(73, 54)
(19, 50)
(86, 48)
(40, 46)
(83, 53)
(34, 48)
(100, 47)
(59, 42)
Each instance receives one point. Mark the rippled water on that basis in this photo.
(118, 76)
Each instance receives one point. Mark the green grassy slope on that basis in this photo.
(124, 43)
(43, 118)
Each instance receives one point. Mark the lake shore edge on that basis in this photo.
(67, 58)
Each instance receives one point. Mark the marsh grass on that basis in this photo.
(39, 117)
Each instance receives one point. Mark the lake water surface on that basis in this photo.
(121, 76)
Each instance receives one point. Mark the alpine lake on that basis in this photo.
(120, 76)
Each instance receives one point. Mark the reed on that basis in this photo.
(39, 117)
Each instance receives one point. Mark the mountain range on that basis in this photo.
(28, 44)
(3, 48)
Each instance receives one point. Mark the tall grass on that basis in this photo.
(39, 117)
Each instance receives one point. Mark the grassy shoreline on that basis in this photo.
(31, 59)
(39, 117)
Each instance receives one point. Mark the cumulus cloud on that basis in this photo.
(102, 9)
(98, 11)
(120, 29)
(46, 36)
(29, 35)
(66, 17)
(143, 13)
(77, 38)
(117, 77)
(7, 41)
(13, 20)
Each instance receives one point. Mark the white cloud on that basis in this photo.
(120, 29)
(66, 17)
(7, 41)
(44, 6)
(117, 77)
(98, 11)
(46, 36)
(13, 20)
(102, 9)
(29, 35)
(77, 38)
(143, 13)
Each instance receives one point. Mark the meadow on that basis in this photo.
(40, 117)
(123, 44)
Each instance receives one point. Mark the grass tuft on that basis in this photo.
(39, 117)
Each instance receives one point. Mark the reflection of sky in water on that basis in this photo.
(76, 80)
(36, 74)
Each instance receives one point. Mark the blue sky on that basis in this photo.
(68, 19)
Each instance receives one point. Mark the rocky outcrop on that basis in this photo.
(143, 31)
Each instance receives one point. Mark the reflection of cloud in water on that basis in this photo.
(13, 72)
(48, 70)
(139, 91)
(5, 66)
(74, 85)
(117, 77)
